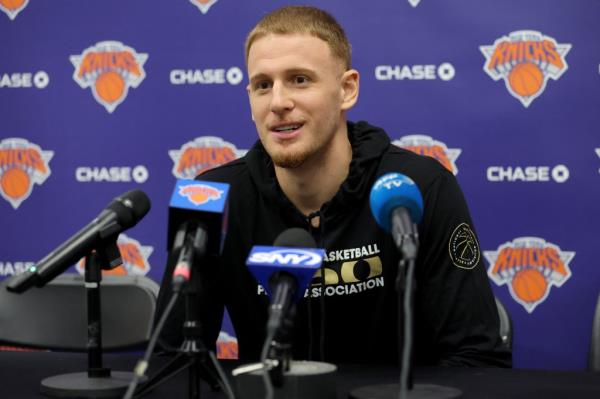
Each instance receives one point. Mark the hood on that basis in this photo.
(368, 144)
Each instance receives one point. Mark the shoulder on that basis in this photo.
(425, 171)
(232, 172)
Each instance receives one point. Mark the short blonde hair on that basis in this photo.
(303, 20)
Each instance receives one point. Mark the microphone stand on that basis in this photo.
(98, 381)
(407, 241)
(192, 353)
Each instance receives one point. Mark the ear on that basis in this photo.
(350, 85)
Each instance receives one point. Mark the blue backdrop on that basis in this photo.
(97, 98)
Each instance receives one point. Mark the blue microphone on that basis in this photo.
(197, 224)
(397, 206)
(285, 270)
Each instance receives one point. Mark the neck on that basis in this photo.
(316, 181)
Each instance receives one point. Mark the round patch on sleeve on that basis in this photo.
(463, 247)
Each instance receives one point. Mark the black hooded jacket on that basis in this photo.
(456, 320)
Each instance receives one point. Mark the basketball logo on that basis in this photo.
(12, 8)
(22, 164)
(529, 266)
(203, 5)
(464, 247)
(202, 154)
(109, 68)
(134, 256)
(425, 145)
(525, 59)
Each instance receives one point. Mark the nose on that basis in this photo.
(281, 99)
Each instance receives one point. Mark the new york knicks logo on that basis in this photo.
(134, 255)
(22, 164)
(201, 154)
(425, 145)
(109, 68)
(525, 59)
(227, 346)
(199, 193)
(529, 266)
(203, 5)
(12, 8)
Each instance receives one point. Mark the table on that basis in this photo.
(21, 373)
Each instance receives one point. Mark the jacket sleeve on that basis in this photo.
(454, 304)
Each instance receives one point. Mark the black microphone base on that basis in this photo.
(304, 380)
(80, 385)
(419, 391)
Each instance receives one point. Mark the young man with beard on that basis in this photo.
(314, 169)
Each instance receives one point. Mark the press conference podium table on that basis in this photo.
(21, 373)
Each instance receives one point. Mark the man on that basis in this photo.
(313, 169)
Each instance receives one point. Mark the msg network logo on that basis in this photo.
(444, 71)
(529, 266)
(558, 173)
(426, 145)
(525, 59)
(201, 154)
(12, 8)
(24, 80)
(109, 68)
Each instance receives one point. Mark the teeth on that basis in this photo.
(287, 128)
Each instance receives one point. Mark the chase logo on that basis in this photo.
(525, 59)
(598, 153)
(203, 5)
(12, 8)
(200, 194)
(285, 257)
(426, 145)
(202, 154)
(134, 255)
(109, 68)
(529, 266)
(22, 164)
(414, 3)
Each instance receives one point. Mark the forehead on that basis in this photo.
(289, 51)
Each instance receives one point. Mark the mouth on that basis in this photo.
(286, 131)
(286, 128)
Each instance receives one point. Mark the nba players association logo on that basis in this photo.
(530, 266)
(203, 5)
(12, 8)
(425, 145)
(525, 59)
(22, 164)
(134, 256)
(201, 154)
(109, 68)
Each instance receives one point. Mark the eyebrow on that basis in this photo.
(292, 71)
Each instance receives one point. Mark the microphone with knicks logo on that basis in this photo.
(197, 224)
(285, 270)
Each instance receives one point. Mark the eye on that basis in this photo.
(301, 79)
(262, 85)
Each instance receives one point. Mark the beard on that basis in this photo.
(289, 160)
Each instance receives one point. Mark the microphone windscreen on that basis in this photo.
(130, 207)
(391, 191)
(295, 237)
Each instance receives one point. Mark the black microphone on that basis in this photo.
(285, 270)
(197, 221)
(122, 213)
